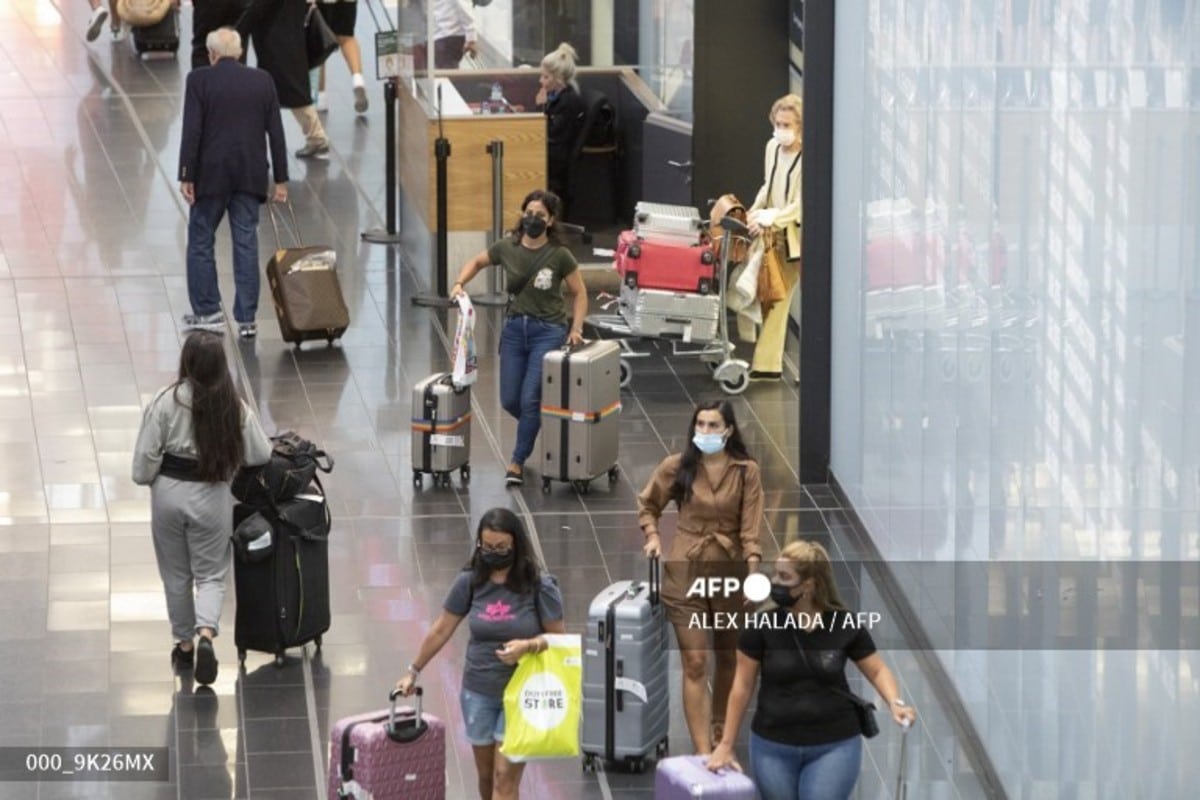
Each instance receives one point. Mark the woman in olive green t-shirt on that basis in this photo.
(536, 266)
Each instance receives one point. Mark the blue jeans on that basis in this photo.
(523, 343)
(203, 290)
(805, 772)
(484, 717)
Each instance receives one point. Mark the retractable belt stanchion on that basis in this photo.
(389, 234)
(496, 295)
(387, 41)
(441, 151)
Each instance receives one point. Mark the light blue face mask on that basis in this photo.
(709, 443)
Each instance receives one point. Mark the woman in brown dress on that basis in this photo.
(717, 487)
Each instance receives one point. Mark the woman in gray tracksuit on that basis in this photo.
(195, 434)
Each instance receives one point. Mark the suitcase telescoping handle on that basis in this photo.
(655, 579)
(901, 786)
(405, 730)
(275, 224)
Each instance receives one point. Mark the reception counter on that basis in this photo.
(464, 97)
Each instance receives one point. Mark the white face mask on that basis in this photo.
(785, 137)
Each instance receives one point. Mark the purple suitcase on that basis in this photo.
(686, 777)
(388, 755)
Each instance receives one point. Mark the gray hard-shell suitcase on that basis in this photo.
(581, 404)
(667, 224)
(686, 315)
(626, 703)
(441, 430)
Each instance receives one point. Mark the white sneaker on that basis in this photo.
(120, 33)
(96, 22)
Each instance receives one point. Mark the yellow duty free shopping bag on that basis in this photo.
(543, 699)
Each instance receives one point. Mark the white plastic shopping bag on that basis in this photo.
(466, 365)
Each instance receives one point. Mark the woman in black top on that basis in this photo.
(565, 110)
(805, 737)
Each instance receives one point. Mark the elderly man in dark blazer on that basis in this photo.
(230, 112)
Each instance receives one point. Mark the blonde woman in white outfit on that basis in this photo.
(777, 207)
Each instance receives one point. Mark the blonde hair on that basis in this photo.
(224, 43)
(560, 64)
(789, 102)
(812, 561)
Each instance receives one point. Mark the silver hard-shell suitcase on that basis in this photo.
(626, 702)
(581, 404)
(667, 224)
(686, 315)
(441, 429)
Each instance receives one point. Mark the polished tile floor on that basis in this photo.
(92, 287)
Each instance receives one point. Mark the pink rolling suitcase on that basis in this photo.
(392, 754)
(686, 778)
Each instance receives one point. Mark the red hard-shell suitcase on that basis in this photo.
(391, 754)
(687, 777)
(652, 265)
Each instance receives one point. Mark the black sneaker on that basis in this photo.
(206, 662)
(514, 476)
(182, 659)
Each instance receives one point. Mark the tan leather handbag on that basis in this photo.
(772, 288)
(140, 13)
(728, 205)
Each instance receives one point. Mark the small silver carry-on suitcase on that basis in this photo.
(626, 705)
(388, 755)
(581, 404)
(653, 312)
(666, 224)
(441, 430)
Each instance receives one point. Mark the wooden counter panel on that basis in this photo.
(469, 173)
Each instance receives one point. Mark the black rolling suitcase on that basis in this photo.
(281, 574)
(161, 37)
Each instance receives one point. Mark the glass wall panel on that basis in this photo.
(1016, 360)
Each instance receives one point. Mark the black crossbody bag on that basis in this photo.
(863, 709)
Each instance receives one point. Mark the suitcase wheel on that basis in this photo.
(317, 643)
(241, 656)
(613, 474)
(583, 487)
(625, 373)
(279, 660)
(636, 765)
(631, 280)
(418, 479)
(546, 485)
(589, 763)
(464, 473)
(663, 748)
(634, 251)
(443, 478)
(705, 286)
(706, 257)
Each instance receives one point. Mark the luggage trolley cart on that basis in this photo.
(714, 351)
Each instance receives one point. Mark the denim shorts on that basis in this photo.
(484, 717)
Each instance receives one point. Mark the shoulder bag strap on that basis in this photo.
(839, 691)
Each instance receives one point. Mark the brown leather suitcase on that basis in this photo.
(305, 289)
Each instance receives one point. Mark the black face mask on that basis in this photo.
(496, 560)
(782, 595)
(534, 226)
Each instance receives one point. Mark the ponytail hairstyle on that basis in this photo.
(215, 406)
(560, 65)
(689, 459)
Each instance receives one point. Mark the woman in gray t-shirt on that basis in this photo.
(509, 602)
